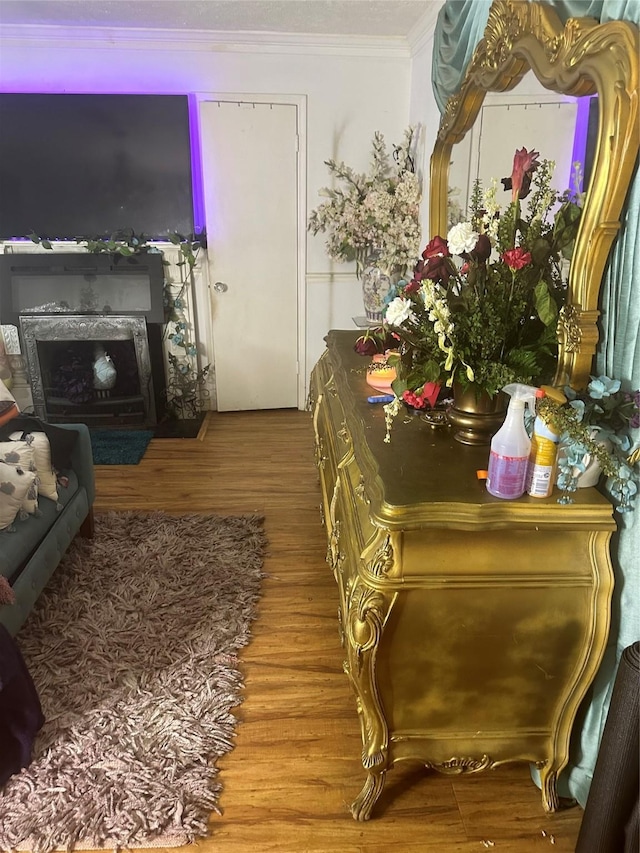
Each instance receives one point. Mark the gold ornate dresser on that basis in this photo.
(472, 627)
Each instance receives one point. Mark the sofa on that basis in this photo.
(32, 545)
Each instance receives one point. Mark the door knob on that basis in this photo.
(220, 287)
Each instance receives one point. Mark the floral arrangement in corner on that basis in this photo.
(373, 215)
(482, 305)
(596, 426)
(186, 390)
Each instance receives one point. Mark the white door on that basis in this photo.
(249, 160)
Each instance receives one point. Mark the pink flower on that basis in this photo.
(524, 165)
(516, 259)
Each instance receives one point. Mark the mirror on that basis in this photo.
(579, 58)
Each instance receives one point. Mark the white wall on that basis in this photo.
(353, 87)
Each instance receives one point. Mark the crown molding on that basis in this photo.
(421, 34)
(205, 40)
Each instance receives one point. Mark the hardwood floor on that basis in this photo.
(296, 767)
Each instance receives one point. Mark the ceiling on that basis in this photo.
(319, 17)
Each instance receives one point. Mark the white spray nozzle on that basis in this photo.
(524, 394)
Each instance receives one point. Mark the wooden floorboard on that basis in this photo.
(295, 769)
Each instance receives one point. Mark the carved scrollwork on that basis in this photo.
(458, 766)
(335, 557)
(360, 491)
(569, 328)
(320, 455)
(343, 433)
(311, 399)
(341, 627)
(367, 612)
(383, 559)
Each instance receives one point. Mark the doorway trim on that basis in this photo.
(300, 103)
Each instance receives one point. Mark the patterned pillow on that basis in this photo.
(47, 482)
(21, 455)
(14, 485)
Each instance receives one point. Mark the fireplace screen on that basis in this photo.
(90, 369)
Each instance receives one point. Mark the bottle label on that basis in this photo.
(541, 466)
(507, 475)
(543, 450)
(541, 481)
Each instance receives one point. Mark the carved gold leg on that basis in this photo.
(366, 799)
(548, 780)
(367, 610)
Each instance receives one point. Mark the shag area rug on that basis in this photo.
(119, 446)
(132, 648)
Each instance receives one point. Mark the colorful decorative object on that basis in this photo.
(380, 373)
(376, 285)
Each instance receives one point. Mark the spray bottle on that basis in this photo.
(544, 451)
(511, 446)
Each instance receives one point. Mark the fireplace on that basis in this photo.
(61, 355)
(91, 329)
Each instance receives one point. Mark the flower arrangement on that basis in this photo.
(481, 308)
(373, 214)
(597, 424)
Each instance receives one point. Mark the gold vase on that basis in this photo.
(475, 415)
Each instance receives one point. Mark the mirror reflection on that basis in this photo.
(556, 125)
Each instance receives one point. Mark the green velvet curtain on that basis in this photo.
(459, 27)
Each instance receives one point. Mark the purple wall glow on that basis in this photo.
(580, 135)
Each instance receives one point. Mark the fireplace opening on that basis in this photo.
(93, 369)
(91, 381)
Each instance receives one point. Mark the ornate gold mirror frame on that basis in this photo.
(579, 58)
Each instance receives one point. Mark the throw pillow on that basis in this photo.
(21, 455)
(14, 485)
(8, 406)
(47, 483)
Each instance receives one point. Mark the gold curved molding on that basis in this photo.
(368, 610)
(457, 766)
(581, 57)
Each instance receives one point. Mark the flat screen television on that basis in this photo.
(91, 165)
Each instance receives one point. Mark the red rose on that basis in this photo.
(436, 248)
(438, 269)
(516, 259)
(366, 346)
(413, 286)
(482, 250)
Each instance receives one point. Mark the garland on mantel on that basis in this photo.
(186, 388)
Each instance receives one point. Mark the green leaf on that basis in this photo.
(540, 251)
(399, 386)
(566, 226)
(545, 304)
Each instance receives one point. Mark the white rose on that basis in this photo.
(462, 238)
(398, 311)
